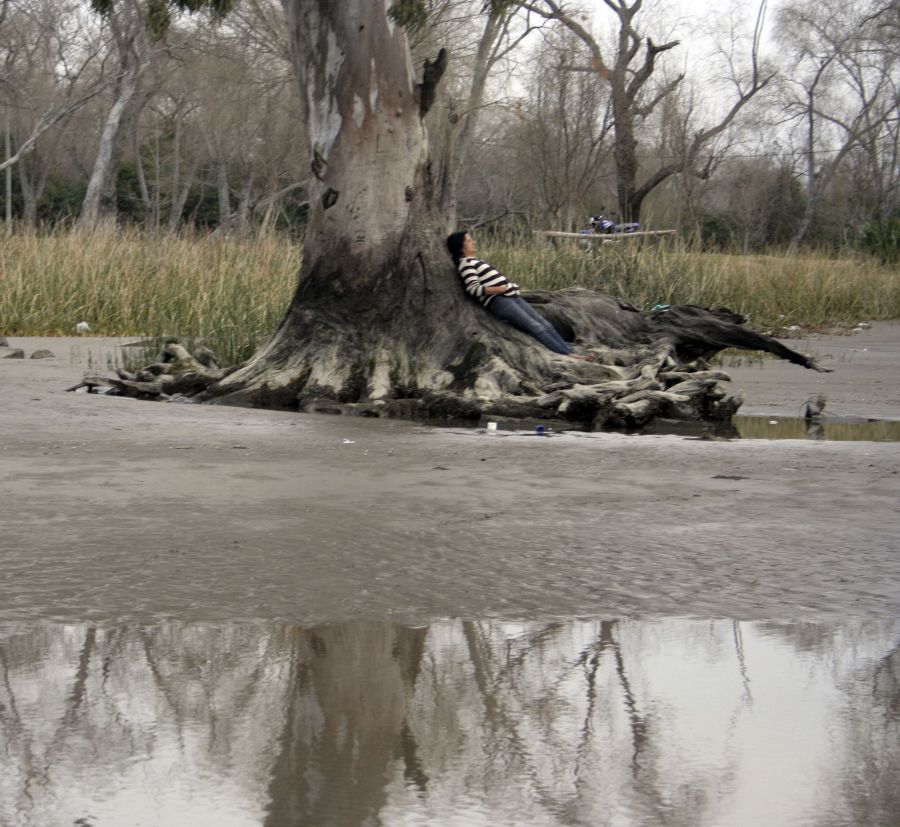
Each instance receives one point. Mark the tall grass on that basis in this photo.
(232, 294)
(811, 290)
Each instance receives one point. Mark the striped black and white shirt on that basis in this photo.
(477, 274)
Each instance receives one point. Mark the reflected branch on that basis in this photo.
(413, 771)
(591, 661)
(14, 725)
(742, 663)
(163, 688)
(15, 718)
(76, 697)
(638, 724)
(498, 717)
(886, 683)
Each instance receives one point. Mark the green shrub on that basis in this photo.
(882, 239)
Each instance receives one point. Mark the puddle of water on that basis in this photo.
(586, 722)
(774, 427)
(740, 427)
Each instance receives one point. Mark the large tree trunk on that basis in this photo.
(378, 312)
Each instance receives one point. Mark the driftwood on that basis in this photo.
(690, 331)
(175, 372)
(649, 365)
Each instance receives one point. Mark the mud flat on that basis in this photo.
(115, 510)
(865, 381)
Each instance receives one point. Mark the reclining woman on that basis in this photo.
(502, 297)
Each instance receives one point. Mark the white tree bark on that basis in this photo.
(127, 24)
(368, 141)
(374, 276)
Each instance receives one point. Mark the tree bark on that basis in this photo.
(134, 57)
(244, 207)
(151, 211)
(30, 196)
(7, 173)
(180, 196)
(223, 189)
(369, 318)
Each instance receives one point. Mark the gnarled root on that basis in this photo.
(648, 366)
(174, 373)
(509, 381)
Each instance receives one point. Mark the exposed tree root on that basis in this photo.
(649, 365)
(173, 373)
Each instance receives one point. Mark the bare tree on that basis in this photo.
(844, 73)
(629, 74)
(49, 60)
(560, 136)
(480, 39)
(130, 38)
(136, 30)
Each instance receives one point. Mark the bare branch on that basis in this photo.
(282, 192)
(556, 12)
(647, 109)
(643, 74)
(48, 120)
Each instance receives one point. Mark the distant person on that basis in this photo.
(601, 224)
(502, 297)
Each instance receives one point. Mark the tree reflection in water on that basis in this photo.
(587, 722)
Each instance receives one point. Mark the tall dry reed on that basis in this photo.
(811, 290)
(232, 294)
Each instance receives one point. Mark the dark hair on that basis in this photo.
(455, 245)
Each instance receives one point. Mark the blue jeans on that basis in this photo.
(520, 314)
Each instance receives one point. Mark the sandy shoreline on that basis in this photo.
(122, 511)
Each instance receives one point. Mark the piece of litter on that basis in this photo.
(348, 442)
(773, 421)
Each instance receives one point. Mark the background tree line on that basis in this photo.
(151, 116)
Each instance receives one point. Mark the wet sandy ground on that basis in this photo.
(114, 510)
